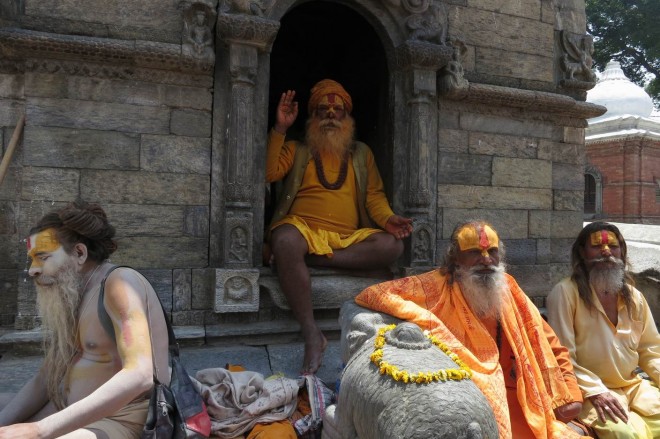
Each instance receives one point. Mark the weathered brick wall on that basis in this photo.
(629, 168)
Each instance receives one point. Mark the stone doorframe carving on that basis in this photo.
(414, 41)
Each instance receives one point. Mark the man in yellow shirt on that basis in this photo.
(473, 306)
(608, 328)
(331, 195)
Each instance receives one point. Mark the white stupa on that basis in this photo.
(630, 109)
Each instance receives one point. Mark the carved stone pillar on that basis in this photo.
(244, 40)
(419, 63)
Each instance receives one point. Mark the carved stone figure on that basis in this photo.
(576, 60)
(430, 25)
(375, 406)
(451, 82)
(197, 32)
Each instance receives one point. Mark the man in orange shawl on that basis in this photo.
(332, 194)
(482, 315)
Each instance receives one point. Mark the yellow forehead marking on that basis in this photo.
(481, 238)
(604, 238)
(42, 242)
(331, 100)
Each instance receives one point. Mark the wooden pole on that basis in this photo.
(4, 166)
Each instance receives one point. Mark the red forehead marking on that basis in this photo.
(604, 238)
(483, 238)
(29, 244)
(331, 98)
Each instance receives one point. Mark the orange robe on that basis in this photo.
(430, 301)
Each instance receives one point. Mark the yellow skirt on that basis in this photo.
(323, 242)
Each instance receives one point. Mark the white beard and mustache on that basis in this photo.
(330, 136)
(607, 278)
(483, 292)
(58, 299)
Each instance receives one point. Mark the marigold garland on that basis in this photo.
(386, 368)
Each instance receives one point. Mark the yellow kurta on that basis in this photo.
(604, 356)
(317, 210)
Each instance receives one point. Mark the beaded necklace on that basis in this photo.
(341, 178)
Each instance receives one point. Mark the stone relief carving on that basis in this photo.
(575, 61)
(236, 291)
(197, 35)
(374, 406)
(429, 24)
(248, 7)
(451, 82)
(238, 236)
(238, 244)
(422, 249)
(250, 30)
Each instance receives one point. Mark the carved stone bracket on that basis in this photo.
(22, 43)
(575, 61)
(236, 290)
(423, 55)
(451, 82)
(248, 30)
(428, 24)
(246, 7)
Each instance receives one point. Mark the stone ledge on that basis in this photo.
(330, 287)
(23, 43)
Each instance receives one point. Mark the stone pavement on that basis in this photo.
(16, 369)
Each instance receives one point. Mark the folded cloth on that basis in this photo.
(237, 401)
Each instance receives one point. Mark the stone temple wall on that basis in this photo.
(157, 110)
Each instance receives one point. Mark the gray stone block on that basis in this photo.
(177, 154)
(146, 220)
(503, 146)
(525, 8)
(567, 177)
(145, 187)
(538, 280)
(172, 252)
(487, 29)
(160, 280)
(44, 85)
(11, 111)
(540, 223)
(70, 113)
(74, 148)
(566, 224)
(203, 288)
(253, 358)
(569, 200)
(191, 123)
(11, 86)
(571, 153)
(522, 173)
(51, 184)
(506, 125)
(196, 221)
(553, 251)
(464, 169)
(504, 63)
(138, 93)
(455, 141)
(574, 135)
(520, 251)
(484, 197)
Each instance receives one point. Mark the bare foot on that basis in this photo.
(314, 347)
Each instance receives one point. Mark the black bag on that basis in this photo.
(176, 411)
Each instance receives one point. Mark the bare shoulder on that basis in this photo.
(126, 285)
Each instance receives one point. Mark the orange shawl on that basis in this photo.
(431, 302)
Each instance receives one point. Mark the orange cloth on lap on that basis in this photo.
(430, 301)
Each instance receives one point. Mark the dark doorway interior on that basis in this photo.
(320, 40)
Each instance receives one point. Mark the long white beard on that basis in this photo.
(484, 293)
(330, 141)
(607, 278)
(58, 299)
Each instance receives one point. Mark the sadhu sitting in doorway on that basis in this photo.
(331, 197)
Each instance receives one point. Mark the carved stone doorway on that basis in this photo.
(318, 40)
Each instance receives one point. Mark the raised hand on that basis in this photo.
(287, 112)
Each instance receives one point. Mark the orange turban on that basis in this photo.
(324, 88)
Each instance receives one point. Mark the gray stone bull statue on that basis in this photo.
(372, 405)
